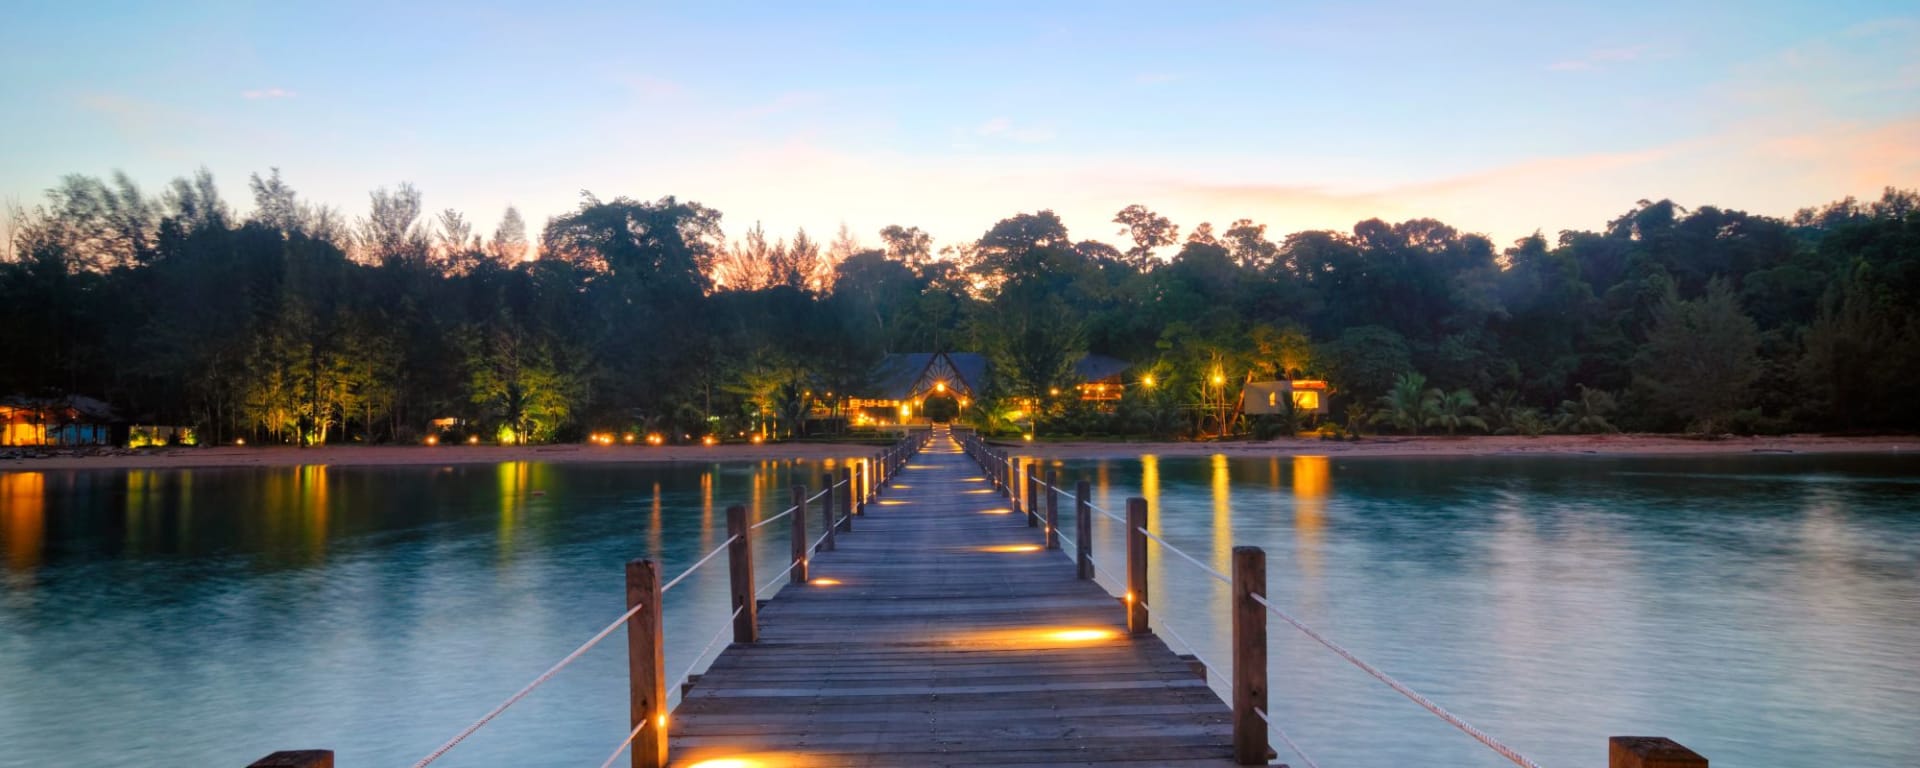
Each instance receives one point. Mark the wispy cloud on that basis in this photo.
(1004, 128)
(262, 94)
(652, 87)
(1600, 59)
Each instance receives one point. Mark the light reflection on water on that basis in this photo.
(1764, 610)
(210, 616)
(1555, 602)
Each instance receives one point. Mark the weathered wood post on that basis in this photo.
(1137, 566)
(1053, 509)
(1083, 530)
(848, 472)
(297, 758)
(1250, 745)
(1033, 495)
(646, 665)
(855, 496)
(826, 511)
(746, 623)
(1650, 752)
(799, 573)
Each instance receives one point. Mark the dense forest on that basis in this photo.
(296, 323)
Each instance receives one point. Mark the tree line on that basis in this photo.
(296, 323)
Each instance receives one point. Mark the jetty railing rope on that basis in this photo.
(641, 578)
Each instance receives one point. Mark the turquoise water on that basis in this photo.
(1763, 610)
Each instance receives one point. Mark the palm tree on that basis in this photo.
(1409, 405)
(1454, 410)
(1587, 414)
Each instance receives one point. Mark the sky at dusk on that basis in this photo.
(1496, 118)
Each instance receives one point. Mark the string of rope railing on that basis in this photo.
(816, 497)
(769, 521)
(1109, 515)
(703, 561)
(674, 694)
(1282, 733)
(522, 693)
(627, 742)
(1451, 719)
(1207, 569)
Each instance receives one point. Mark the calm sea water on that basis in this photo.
(1763, 610)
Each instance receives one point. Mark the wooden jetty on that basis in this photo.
(951, 631)
(944, 633)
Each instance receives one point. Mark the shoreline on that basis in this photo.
(1386, 447)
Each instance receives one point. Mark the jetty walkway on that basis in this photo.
(937, 619)
(943, 633)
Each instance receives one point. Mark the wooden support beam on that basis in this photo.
(646, 665)
(1083, 530)
(1136, 597)
(799, 573)
(1250, 745)
(826, 512)
(1033, 494)
(1650, 752)
(746, 624)
(1053, 509)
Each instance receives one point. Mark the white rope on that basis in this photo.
(544, 677)
(703, 561)
(1492, 743)
(1176, 550)
(777, 577)
(775, 517)
(1282, 733)
(1211, 669)
(622, 749)
(1116, 518)
(816, 497)
(688, 675)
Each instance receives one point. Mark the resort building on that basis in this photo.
(918, 387)
(1304, 396)
(64, 421)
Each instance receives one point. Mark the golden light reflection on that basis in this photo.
(729, 762)
(1010, 548)
(514, 477)
(23, 517)
(1043, 635)
(1082, 635)
(976, 479)
(979, 490)
(824, 582)
(1312, 480)
(891, 502)
(997, 511)
(1222, 513)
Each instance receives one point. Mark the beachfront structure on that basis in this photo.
(73, 420)
(1304, 396)
(918, 387)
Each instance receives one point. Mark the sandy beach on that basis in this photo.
(408, 455)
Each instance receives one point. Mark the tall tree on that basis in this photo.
(1149, 230)
(1700, 358)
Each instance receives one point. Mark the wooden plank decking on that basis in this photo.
(950, 639)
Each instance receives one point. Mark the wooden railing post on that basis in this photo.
(856, 491)
(799, 573)
(746, 623)
(1033, 494)
(646, 665)
(1083, 530)
(848, 472)
(298, 758)
(1137, 566)
(1650, 752)
(826, 511)
(1053, 509)
(1250, 745)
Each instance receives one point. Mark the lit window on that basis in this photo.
(1308, 400)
